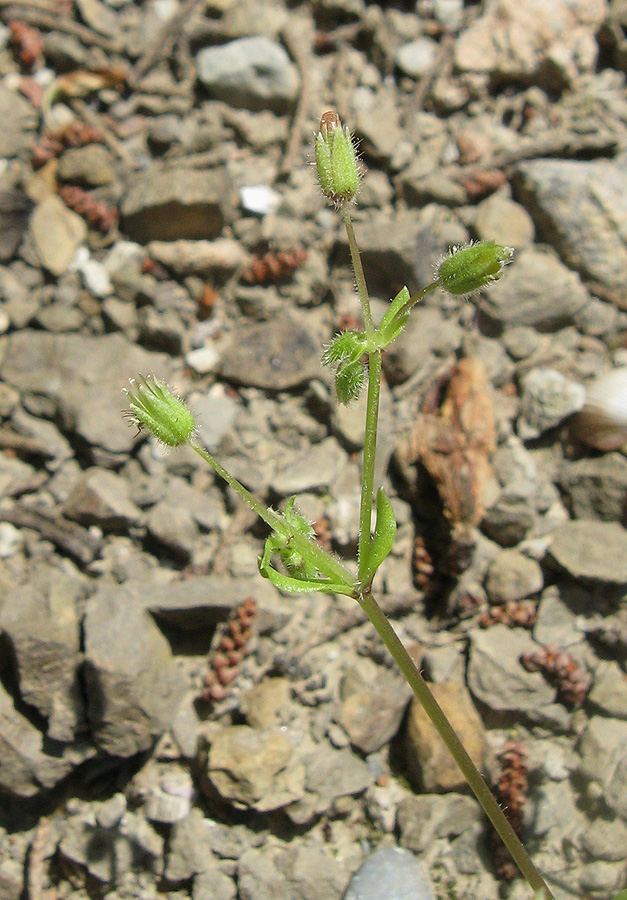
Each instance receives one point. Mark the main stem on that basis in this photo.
(370, 452)
(470, 772)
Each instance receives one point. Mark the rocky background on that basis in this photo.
(169, 724)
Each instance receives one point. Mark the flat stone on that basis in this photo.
(426, 818)
(133, 685)
(513, 576)
(595, 551)
(275, 355)
(57, 233)
(603, 749)
(582, 208)
(19, 120)
(276, 873)
(251, 72)
(597, 488)
(371, 717)
(498, 215)
(254, 769)
(390, 873)
(496, 676)
(429, 763)
(548, 398)
(42, 624)
(609, 691)
(330, 775)
(202, 258)
(175, 203)
(88, 166)
(539, 290)
(102, 498)
(316, 467)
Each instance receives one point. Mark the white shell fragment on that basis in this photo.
(602, 423)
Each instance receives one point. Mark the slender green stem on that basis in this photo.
(472, 775)
(360, 279)
(370, 452)
(326, 563)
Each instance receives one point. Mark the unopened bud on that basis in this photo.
(154, 406)
(468, 269)
(336, 159)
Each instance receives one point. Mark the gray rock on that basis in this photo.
(110, 853)
(316, 467)
(548, 397)
(594, 551)
(582, 208)
(28, 762)
(77, 379)
(513, 576)
(252, 72)
(213, 884)
(19, 119)
(606, 839)
(174, 203)
(330, 775)
(134, 687)
(190, 848)
(57, 233)
(509, 519)
(390, 873)
(602, 876)
(497, 678)
(603, 749)
(298, 873)
(102, 498)
(275, 355)
(89, 166)
(417, 57)
(500, 216)
(41, 621)
(539, 290)
(597, 488)
(532, 42)
(556, 812)
(372, 717)
(255, 769)
(200, 602)
(557, 619)
(215, 412)
(427, 332)
(609, 691)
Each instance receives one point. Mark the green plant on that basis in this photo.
(356, 358)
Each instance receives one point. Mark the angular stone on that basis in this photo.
(424, 819)
(41, 621)
(403, 876)
(330, 775)
(78, 378)
(548, 397)
(254, 769)
(594, 551)
(275, 873)
(597, 487)
(89, 166)
(275, 355)
(174, 203)
(251, 72)
(603, 749)
(513, 576)
(539, 291)
(316, 467)
(57, 233)
(133, 685)
(102, 498)
(581, 206)
(429, 763)
(496, 676)
(19, 119)
(609, 691)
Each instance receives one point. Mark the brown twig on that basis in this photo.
(49, 21)
(108, 137)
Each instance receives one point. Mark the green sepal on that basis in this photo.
(345, 352)
(392, 322)
(382, 539)
(292, 585)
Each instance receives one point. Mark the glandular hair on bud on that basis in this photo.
(468, 269)
(155, 406)
(336, 159)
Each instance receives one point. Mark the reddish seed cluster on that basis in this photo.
(27, 42)
(572, 682)
(520, 613)
(231, 649)
(511, 792)
(273, 266)
(97, 213)
(55, 141)
(423, 569)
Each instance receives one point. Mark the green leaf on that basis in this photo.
(392, 323)
(292, 585)
(383, 538)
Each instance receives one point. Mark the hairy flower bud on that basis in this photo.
(467, 269)
(154, 406)
(336, 159)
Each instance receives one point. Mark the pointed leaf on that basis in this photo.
(391, 326)
(383, 538)
(297, 586)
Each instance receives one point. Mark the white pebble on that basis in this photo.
(259, 199)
